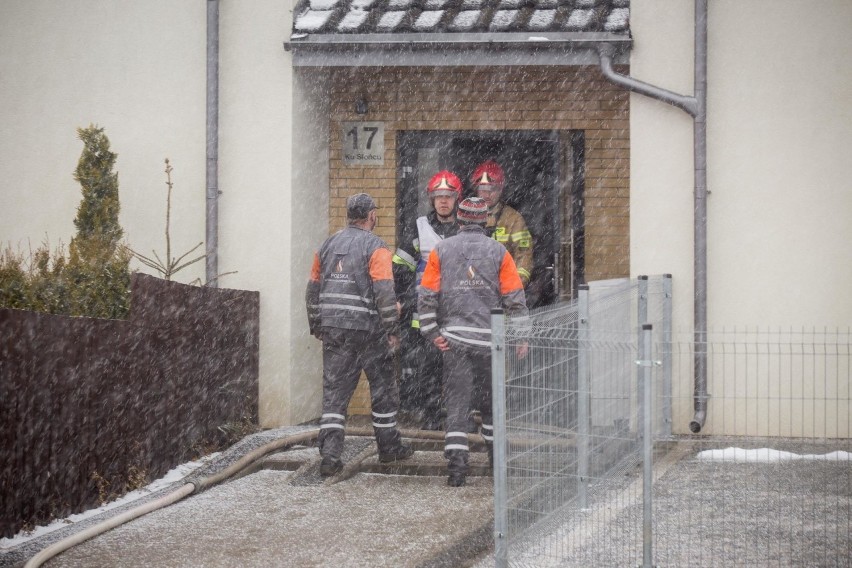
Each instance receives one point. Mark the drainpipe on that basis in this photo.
(212, 201)
(696, 106)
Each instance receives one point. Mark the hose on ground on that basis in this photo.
(193, 485)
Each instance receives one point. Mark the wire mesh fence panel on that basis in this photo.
(766, 482)
(572, 423)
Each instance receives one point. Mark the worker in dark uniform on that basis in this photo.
(420, 381)
(466, 277)
(353, 310)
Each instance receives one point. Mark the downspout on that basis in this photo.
(696, 106)
(212, 201)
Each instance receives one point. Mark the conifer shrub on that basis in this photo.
(94, 281)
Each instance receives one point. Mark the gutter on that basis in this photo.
(695, 106)
(445, 49)
(212, 202)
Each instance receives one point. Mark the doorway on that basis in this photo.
(544, 183)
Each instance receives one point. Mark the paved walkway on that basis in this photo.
(371, 514)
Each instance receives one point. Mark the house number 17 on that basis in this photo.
(364, 143)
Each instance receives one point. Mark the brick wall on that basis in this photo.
(491, 98)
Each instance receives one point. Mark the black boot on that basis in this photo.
(457, 467)
(330, 466)
(456, 479)
(401, 452)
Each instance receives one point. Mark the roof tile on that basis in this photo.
(459, 16)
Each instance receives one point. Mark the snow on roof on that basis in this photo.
(311, 20)
(428, 20)
(460, 16)
(617, 20)
(541, 19)
(579, 19)
(353, 20)
(390, 21)
(320, 5)
(503, 19)
(465, 20)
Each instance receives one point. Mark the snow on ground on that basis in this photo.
(172, 476)
(766, 455)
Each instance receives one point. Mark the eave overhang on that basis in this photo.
(456, 49)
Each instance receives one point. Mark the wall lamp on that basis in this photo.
(361, 105)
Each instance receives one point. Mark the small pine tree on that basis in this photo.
(97, 274)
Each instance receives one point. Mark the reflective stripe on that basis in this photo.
(456, 435)
(521, 235)
(345, 297)
(388, 415)
(465, 328)
(433, 315)
(457, 447)
(338, 416)
(465, 339)
(377, 425)
(326, 426)
(487, 438)
(351, 308)
(487, 427)
(403, 258)
(501, 238)
(425, 327)
(523, 272)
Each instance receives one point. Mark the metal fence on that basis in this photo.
(583, 479)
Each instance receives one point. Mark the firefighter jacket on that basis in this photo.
(466, 277)
(351, 284)
(508, 227)
(410, 258)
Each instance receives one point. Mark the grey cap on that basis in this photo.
(358, 206)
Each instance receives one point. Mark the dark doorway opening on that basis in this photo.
(544, 182)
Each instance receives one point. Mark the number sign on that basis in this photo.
(364, 143)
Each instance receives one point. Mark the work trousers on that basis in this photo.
(467, 387)
(420, 383)
(345, 353)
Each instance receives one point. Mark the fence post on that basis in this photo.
(645, 363)
(498, 402)
(667, 355)
(584, 394)
(641, 320)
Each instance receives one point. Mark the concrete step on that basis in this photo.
(428, 459)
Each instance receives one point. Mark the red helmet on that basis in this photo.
(444, 182)
(488, 172)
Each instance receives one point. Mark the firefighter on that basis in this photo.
(505, 224)
(353, 311)
(420, 382)
(466, 277)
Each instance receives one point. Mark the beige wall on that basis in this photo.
(779, 125)
(779, 208)
(138, 69)
(134, 68)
